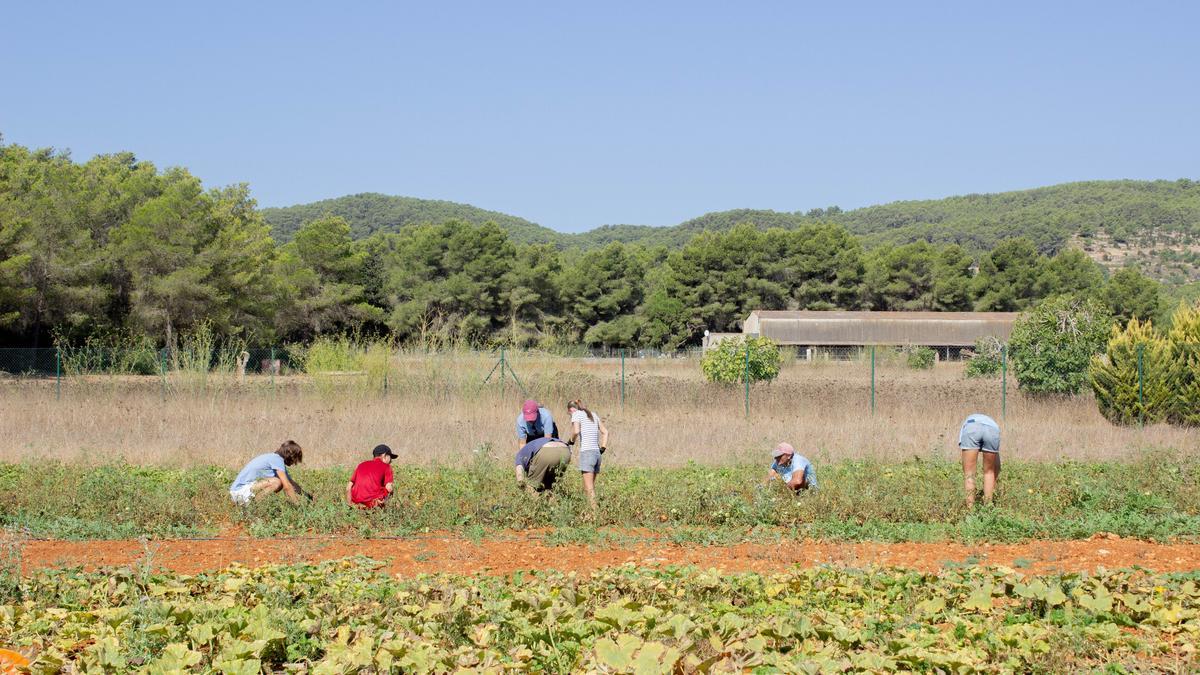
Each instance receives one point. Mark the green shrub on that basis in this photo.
(1053, 344)
(1184, 371)
(921, 358)
(727, 364)
(326, 354)
(987, 358)
(1125, 395)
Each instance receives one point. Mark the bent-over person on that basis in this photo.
(541, 462)
(268, 474)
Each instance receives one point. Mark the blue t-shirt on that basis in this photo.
(544, 416)
(980, 418)
(263, 466)
(527, 451)
(800, 464)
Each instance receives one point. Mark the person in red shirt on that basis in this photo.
(371, 484)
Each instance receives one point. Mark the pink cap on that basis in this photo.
(530, 409)
(783, 449)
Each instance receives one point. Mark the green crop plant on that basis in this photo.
(351, 616)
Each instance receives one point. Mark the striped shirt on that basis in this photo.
(589, 431)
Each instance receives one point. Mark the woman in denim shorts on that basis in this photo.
(980, 434)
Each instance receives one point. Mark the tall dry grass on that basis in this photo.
(437, 409)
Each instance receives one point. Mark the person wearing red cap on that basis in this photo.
(794, 470)
(533, 423)
(371, 484)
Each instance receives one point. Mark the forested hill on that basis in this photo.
(1120, 212)
(371, 212)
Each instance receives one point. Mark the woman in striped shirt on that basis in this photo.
(592, 435)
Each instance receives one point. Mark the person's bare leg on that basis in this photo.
(970, 460)
(991, 471)
(589, 488)
(267, 486)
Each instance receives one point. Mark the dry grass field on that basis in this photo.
(437, 409)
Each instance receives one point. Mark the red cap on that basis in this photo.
(783, 449)
(530, 409)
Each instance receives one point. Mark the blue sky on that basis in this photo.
(575, 115)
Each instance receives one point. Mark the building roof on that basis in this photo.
(934, 329)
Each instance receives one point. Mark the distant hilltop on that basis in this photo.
(1155, 224)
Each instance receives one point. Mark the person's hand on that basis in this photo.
(603, 449)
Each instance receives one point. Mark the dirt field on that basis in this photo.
(451, 553)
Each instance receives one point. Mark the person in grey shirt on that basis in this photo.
(980, 434)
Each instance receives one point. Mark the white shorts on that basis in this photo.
(242, 495)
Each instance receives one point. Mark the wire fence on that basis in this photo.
(869, 375)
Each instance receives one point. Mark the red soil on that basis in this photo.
(452, 553)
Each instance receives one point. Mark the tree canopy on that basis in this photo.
(115, 244)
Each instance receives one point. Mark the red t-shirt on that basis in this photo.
(369, 479)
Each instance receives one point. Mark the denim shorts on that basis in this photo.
(589, 461)
(976, 436)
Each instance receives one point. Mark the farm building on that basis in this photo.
(946, 332)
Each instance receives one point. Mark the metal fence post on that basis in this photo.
(622, 378)
(503, 367)
(271, 367)
(57, 374)
(1141, 387)
(872, 379)
(746, 375)
(162, 372)
(1003, 381)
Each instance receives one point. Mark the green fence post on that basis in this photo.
(622, 379)
(57, 374)
(1141, 387)
(162, 372)
(1003, 381)
(872, 379)
(746, 376)
(271, 367)
(503, 367)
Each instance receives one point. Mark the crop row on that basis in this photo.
(1156, 496)
(349, 616)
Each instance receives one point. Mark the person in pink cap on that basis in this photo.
(533, 423)
(794, 470)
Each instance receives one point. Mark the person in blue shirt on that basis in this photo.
(534, 422)
(267, 474)
(794, 470)
(980, 435)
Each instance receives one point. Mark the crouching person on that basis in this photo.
(540, 463)
(794, 470)
(371, 484)
(267, 474)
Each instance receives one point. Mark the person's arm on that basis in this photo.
(389, 481)
(521, 439)
(603, 433)
(520, 473)
(349, 487)
(574, 432)
(289, 488)
(810, 476)
(771, 475)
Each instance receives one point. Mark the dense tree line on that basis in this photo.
(114, 244)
